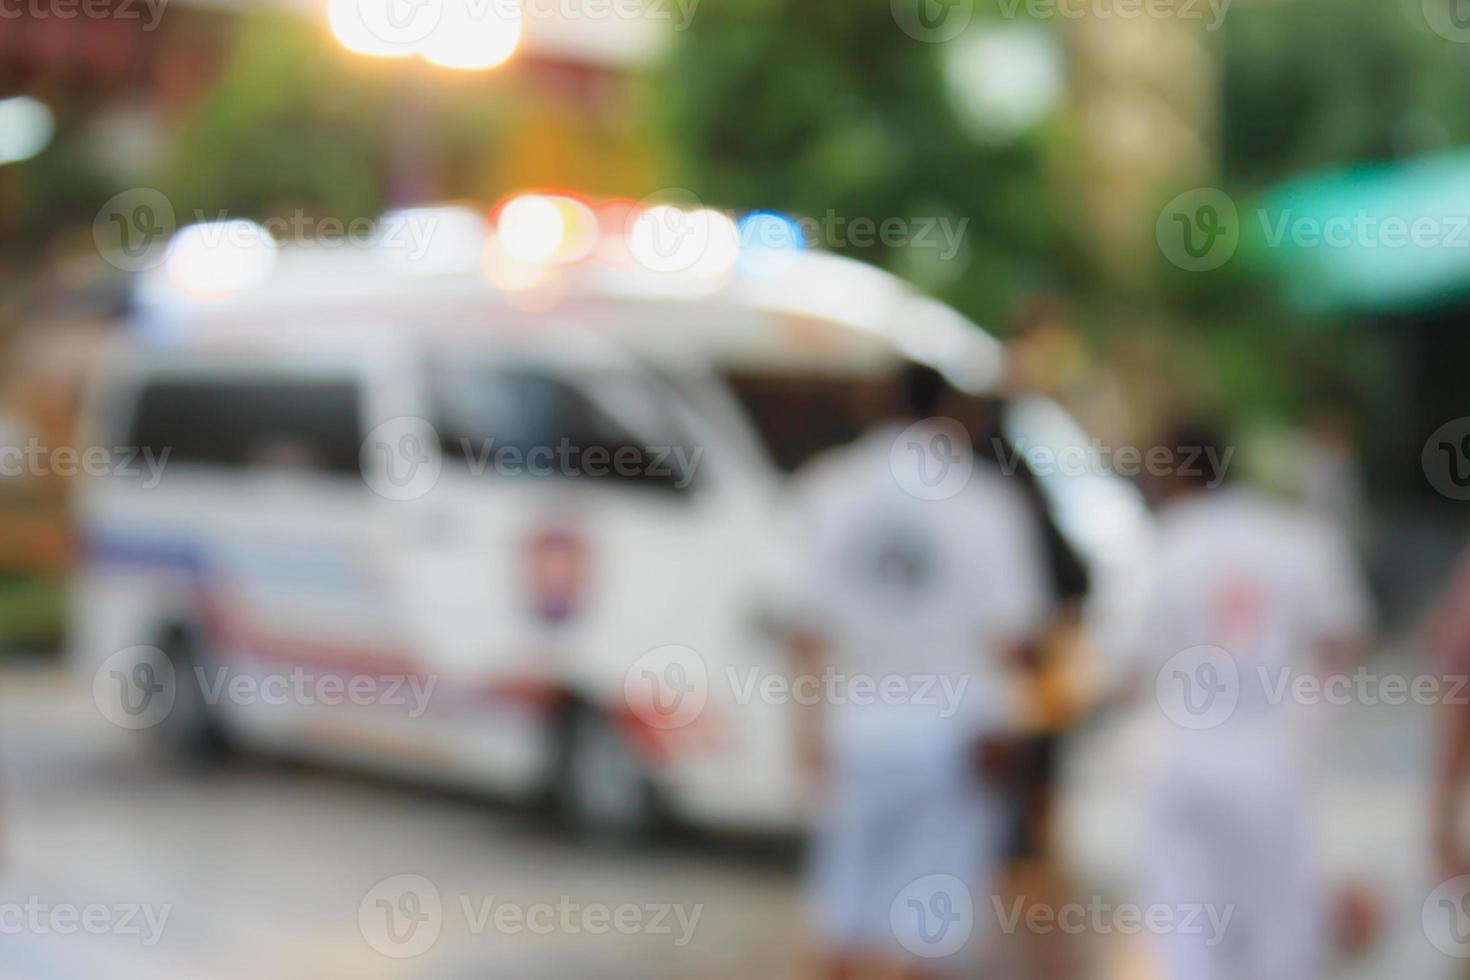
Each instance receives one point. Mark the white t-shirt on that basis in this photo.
(1244, 592)
(918, 599)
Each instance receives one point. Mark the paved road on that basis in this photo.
(271, 870)
(266, 867)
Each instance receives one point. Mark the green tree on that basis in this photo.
(282, 125)
(1327, 82)
(818, 106)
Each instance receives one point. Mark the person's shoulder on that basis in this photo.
(1290, 519)
(830, 466)
(1249, 516)
(839, 469)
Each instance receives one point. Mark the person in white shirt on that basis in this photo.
(1246, 597)
(923, 575)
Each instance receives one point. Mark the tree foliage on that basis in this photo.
(824, 106)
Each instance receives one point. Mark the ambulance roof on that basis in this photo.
(799, 311)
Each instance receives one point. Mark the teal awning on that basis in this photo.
(1380, 238)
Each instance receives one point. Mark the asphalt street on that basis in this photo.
(117, 865)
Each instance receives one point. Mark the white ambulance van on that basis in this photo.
(511, 529)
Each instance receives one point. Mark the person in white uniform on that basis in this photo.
(1247, 596)
(923, 575)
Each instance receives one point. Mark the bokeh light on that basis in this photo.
(25, 128)
(473, 36)
(218, 258)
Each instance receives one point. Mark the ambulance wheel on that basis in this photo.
(192, 730)
(602, 788)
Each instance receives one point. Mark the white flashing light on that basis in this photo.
(25, 128)
(473, 36)
(359, 26)
(460, 34)
(703, 243)
(218, 258)
(722, 247)
(531, 228)
(546, 228)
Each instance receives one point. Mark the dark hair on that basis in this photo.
(1206, 443)
(923, 389)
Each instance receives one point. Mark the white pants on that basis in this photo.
(1229, 829)
(898, 827)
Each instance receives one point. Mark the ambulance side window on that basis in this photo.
(523, 423)
(244, 423)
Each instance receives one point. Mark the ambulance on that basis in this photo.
(494, 509)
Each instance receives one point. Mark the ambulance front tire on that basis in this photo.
(601, 789)
(191, 732)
